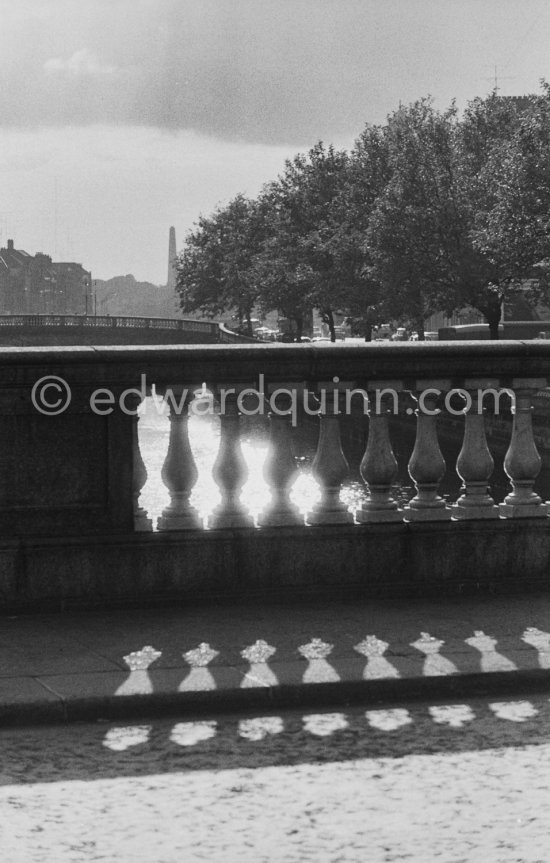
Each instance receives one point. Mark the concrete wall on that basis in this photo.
(276, 564)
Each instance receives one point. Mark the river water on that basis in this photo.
(204, 435)
(204, 438)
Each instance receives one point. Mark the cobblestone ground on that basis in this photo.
(442, 782)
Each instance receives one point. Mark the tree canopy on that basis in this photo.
(428, 212)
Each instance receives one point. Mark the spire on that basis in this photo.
(172, 255)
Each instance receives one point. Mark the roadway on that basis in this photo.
(446, 782)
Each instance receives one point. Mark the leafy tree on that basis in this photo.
(482, 147)
(298, 266)
(511, 223)
(429, 234)
(485, 124)
(216, 270)
(367, 174)
(426, 213)
(316, 255)
(417, 237)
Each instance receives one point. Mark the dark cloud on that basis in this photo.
(262, 71)
(270, 71)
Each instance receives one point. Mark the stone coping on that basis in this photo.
(407, 361)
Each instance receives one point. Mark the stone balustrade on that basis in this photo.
(52, 330)
(70, 479)
(207, 328)
(426, 466)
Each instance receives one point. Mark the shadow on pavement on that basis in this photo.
(110, 749)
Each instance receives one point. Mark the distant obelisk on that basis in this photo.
(172, 255)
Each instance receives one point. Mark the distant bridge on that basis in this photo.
(37, 330)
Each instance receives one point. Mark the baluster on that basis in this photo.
(280, 469)
(379, 466)
(230, 470)
(329, 466)
(522, 461)
(179, 472)
(475, 463)
(139, 472)
(427, 465)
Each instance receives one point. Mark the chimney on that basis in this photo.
(172, 255)
(10, 245)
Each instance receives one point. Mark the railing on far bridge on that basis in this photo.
(211, 331)
(111, 321)
(227, 336)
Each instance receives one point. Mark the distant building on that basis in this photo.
(34, 284)
(123, 295)
(73, 289)
(467, 315)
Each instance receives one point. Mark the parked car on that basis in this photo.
(382, 332)
(265, 334)
(288, 338)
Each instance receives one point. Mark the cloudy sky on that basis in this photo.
(119, 118)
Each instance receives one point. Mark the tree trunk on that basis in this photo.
(493, 320)
(368, 332)
(330, 321)
(492, 312)
(299, 328)
(420, 329)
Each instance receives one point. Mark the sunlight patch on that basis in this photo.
(377, 666)
(260, 727)
(305, 492)
(434, 664)
(455, 715)
(514, 711)
(121, 738)
(388, 720)
(191, 733)
(256, 490)
(316, 649)
(201, 655)
(258, 652)
(139, 660)
(318, 670)
(540, 640)
(371, 646)
(258, 655)
(323, 724)
(491, 659)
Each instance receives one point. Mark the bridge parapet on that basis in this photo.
(71, 527)
(115, 329)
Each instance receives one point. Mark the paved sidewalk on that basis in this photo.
(109, 664)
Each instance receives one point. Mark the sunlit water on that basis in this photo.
(204, 438)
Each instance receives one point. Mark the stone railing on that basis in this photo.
(379, 468)
(111, 321)
(112, 329)
(229, 337)
(71, 474)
